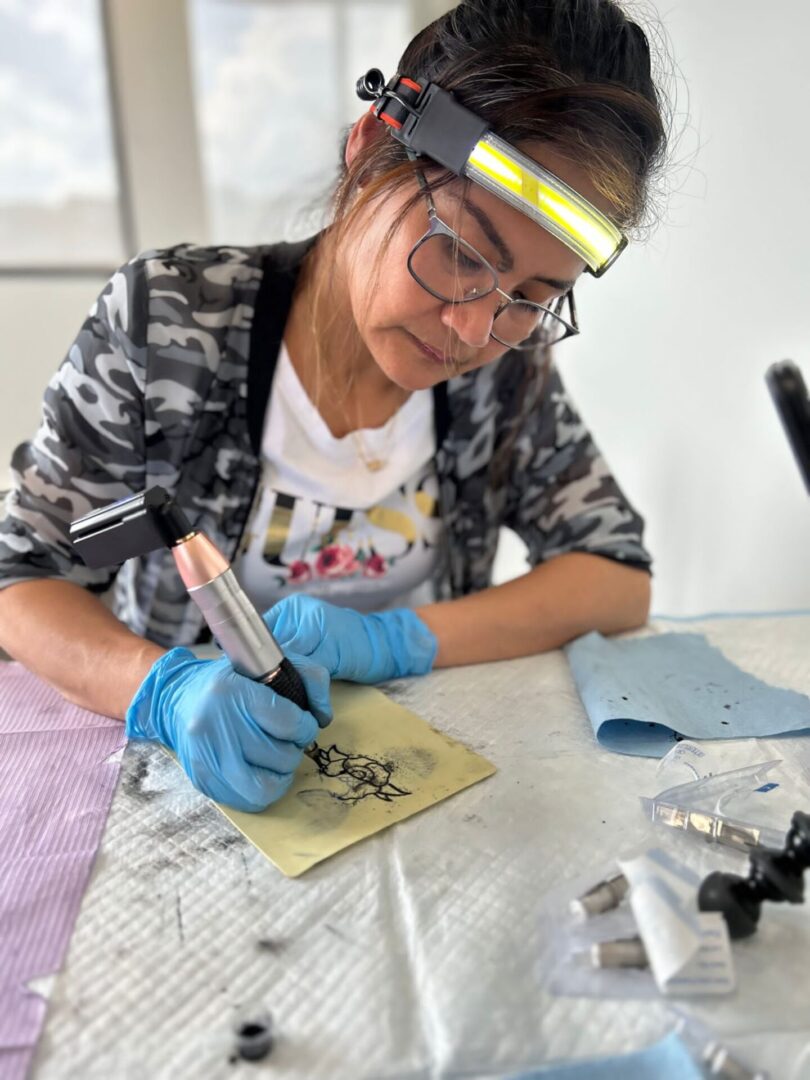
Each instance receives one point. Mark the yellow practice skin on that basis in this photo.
(313, 821)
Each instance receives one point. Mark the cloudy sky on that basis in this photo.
(274, 85)
(267, 75)
(54, 125)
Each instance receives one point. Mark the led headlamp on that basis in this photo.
(429, 120)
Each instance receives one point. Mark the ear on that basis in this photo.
(365, 132)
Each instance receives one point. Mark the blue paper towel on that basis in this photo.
(643, 694)
(665, 1060)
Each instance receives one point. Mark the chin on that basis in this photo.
(411, 379)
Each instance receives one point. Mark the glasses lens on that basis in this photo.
(528, 325)
(451, 269)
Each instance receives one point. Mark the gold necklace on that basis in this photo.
(372, 463)
(375, 464)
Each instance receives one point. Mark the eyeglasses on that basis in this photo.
(452, 270)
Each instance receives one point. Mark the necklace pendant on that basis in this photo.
(374, 465)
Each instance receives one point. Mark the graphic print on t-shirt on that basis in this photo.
(371, 555)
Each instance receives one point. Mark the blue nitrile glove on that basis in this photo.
(238, 741)
(359, 648)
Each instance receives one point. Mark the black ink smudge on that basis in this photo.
(415, 759)
(271, 945)
(327, 806)
(179, 920)
(338, 933)
(224, 843)
(132, 781)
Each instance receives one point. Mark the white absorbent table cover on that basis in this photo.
(413, 954)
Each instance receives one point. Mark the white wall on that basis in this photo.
(669, 369)
(676, 338)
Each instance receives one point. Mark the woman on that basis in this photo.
(353, 419)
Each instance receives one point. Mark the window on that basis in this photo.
(58, 186)
(275, 90)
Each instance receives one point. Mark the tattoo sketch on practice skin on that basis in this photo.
(363, 776)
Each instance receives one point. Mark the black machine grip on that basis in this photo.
(289, 684)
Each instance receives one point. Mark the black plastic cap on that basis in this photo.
(255, 1039)
(371, 85)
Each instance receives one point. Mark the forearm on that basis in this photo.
(550, 605)
(65, 635)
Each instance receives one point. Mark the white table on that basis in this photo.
(412, 954)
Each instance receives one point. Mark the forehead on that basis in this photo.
(532, 248)
(509, 239)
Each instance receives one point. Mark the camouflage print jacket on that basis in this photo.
(168, 382)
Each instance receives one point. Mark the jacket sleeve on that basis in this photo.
(562, 495)
(89, 448)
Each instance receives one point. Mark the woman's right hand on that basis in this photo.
(239, 742)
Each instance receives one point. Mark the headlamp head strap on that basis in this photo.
(430, 122)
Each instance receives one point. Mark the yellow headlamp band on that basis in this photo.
(535, 191)
(429, 121)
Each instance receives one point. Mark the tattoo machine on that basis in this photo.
(150, 520)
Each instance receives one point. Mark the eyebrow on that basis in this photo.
(506, 261)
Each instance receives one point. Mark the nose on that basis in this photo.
(472, 322)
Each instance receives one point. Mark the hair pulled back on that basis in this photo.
(575, 74)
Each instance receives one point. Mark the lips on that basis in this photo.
(435, 354)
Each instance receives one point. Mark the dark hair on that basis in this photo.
(573, 73)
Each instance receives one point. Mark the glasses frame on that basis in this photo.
(438, 226)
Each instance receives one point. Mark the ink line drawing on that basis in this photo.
(363, 776)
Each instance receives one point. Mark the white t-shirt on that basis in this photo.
(324, 524)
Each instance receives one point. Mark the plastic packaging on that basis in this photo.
(741, 808)
(649, 942)
(714, 1057)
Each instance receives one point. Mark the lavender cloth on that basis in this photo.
(56, 786)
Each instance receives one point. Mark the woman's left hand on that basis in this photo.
(351, 646)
